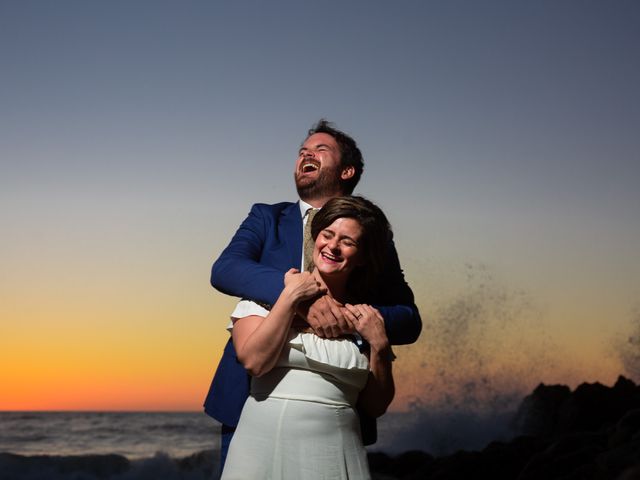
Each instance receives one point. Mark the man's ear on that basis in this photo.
(347, 172)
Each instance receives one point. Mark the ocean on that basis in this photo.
(185, 445)
(113, 445)
(131, 434)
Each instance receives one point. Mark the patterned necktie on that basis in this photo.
(307, 241)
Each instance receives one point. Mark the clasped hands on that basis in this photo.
(329, 318)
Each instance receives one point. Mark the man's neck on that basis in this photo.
(318, 202)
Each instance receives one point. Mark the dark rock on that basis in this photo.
(632, 473)
(564, 456)
(630, 421)
(412, 461)
(592, 433)
(592, 406)
(624, 386)
(617, 460)
(399, 467)
(380, 462)
(538, 413)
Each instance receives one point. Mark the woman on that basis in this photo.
(300, 422)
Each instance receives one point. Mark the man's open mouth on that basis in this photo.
(309, 166)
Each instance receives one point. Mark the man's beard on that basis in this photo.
(327, 183)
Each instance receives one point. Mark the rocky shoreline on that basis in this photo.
(592, 432)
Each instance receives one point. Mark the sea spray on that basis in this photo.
(628, 347)
(481, 351)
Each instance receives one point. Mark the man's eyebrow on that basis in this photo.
(316, 146)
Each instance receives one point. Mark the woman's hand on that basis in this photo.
(302, 286)
(369, 324)
(378, 393)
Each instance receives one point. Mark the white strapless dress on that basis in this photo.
(300, 421)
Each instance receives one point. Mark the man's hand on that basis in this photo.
(327, 318)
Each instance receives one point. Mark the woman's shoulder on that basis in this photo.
(246, 308)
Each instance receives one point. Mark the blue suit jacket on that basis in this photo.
(267, 244)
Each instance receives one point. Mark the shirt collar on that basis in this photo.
(304, 206)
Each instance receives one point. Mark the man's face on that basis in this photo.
(318, 168)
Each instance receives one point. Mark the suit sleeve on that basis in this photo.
(238, 271)
(395, 301)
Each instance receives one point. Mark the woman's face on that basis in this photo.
(337, 248)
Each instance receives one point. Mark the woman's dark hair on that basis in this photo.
(350, 154)
(374, 242)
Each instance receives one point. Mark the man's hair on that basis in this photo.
(350, 155)
(373, 244)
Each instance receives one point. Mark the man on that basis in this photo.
(270, 241)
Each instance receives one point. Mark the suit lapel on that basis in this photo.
(291, 233)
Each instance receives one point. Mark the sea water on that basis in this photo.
(108, 445)
(133, 435)
(130, 434)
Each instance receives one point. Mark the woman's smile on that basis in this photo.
(336, 247)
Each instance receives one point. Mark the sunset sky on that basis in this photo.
(501, 138)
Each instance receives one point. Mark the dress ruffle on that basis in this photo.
(340, 353)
